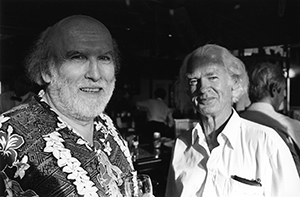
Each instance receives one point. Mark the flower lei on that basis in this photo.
(113, 132)
(70, 165)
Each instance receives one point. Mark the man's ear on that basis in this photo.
(235, 85)
(273, 90)
(235, 89)
(46, 77)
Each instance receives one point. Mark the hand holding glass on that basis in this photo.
(144, 186)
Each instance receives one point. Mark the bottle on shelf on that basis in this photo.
(156, 139)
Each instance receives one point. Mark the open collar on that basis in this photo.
(230, 133)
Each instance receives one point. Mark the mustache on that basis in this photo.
(98, 84)
(202, 97)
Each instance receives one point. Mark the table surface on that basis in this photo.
(144, 154)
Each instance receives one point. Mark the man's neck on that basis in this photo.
(82, 128)
(85, 130)
(213, 126)
(213, 123)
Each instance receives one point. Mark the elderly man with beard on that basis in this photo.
(225, 155)
(61, 143)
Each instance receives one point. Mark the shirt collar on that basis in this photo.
(231, 132)
(261, 106)
(233, 129)
(196, 132)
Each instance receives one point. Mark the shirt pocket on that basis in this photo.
(239, 189)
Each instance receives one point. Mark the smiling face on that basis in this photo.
(210, 89)
(82, 76)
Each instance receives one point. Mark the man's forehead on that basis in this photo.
(86, 35)
(78, 30)
(206, 68)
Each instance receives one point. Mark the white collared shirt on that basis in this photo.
(291, 126)
(246, 149)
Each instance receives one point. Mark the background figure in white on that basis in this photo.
(159, 116)
(266, 91)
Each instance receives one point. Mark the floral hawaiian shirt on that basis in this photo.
(40, 155)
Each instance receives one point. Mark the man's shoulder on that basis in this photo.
(17, 110)
(290, 122)
(262, 117)
(29, 115)
(250, 124)
(255, 129)
(143, 103)
(253, 115)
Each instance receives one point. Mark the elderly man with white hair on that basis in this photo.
(225, 155)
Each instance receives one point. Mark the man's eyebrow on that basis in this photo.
(190, 76)
(210, 73)
(71, 53)
(108, 53)
(76, 52)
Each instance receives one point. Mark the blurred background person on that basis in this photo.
(267, 93)
(225, 155)
(159, 117)
(21, 93)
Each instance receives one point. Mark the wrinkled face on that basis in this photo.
(210, 89)
(83, 80)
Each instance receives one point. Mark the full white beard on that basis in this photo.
(67, 100)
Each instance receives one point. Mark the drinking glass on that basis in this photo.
(138, 186)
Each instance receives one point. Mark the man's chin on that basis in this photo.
(93, 113)
(86, 117)
(206, 110)
(89, 113)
